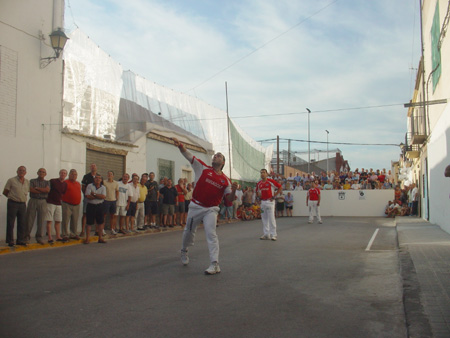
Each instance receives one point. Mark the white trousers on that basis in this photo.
(268, 218)
(208, 216)
(314, 209)
(140, 214)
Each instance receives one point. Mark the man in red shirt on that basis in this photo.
(313, 202)
(265, 191)
(71, 201)
(211, 185)
(180, 211)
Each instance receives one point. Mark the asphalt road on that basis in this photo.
(330, 280)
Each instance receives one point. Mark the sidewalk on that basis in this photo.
(4, 249)
(425, 264)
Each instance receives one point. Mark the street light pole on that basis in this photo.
(327, 152)
(309, 143)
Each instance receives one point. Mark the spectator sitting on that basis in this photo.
(307, 185)
(256, 209)
(355, 185)
(347, 185)
(393, 208)
(299, 186)
(366, 185)
(386, 185)
(337, 185)
(328, 186)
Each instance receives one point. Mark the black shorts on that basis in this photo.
(151, 207)
(280, 206)
(186, 205)
(95, 214)
(109, 207)
(289, 207)
(132, 209)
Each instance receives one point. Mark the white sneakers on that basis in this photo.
(213, 269)
(268, 237)
(184, 257)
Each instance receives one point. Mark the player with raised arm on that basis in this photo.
(265, 191)
(211, 185)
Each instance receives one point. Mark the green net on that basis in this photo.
(247, 161)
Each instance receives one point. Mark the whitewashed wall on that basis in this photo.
(346, 202)
(30, 97)
(156, 149)
(438, 159)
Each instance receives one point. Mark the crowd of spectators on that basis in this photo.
(405, 202)
(135, 202)
(363, 179)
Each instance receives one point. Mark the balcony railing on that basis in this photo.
(417, 127)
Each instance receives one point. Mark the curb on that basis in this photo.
(4, 250)
(417, 321)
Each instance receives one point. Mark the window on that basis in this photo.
(8, 91)
(166, 168)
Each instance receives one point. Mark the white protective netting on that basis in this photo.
(100, 98)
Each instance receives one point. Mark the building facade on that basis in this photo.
(427, 142)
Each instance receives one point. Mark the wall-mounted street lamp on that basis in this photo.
(58, 40)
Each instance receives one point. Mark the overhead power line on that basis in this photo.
(272, 140)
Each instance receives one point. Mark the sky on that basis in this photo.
(351, 63)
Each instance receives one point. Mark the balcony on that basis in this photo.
(418, 127)
(410, 150)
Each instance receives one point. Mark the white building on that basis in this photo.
(427, 142)
(84, 108)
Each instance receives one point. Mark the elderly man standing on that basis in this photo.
(16, 190)
(58, 188)
(95, 194)
(70, 204)
(37, 204)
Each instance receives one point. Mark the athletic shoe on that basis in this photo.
(264, 237)
(104, 232)
(310, 222)
(184, 257)
(213, 269)
(113, 232)
(141, 228)
(273, 238)
(320, 222)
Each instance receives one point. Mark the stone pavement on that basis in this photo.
(425, 263)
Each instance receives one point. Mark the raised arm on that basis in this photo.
(186, 153)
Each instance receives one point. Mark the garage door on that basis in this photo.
(105, 162)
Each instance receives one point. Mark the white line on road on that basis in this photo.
(371, 240)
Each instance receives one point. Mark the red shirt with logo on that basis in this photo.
(267, 188)
(210, 187)
(314, 194)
